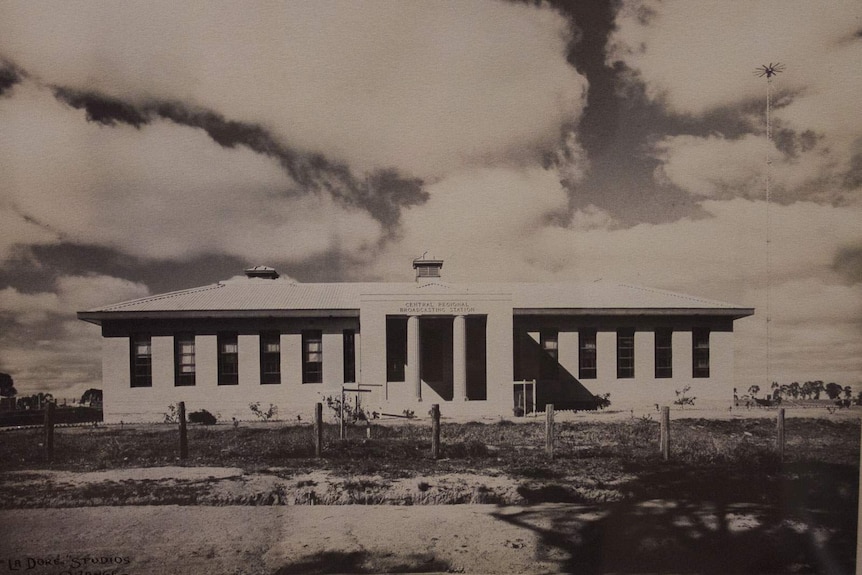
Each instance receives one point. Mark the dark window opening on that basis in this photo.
(625, 353)
(587, 354)
(142, 361)
(312, 356)
(270, 358)
(349, 339)
(228, 359)
(184, 354)
(663, 353)
(700, 353)
(549, 364)
(396, 348)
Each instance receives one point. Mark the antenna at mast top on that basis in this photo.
(769, 71)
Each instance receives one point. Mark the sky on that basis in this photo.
(152, 146)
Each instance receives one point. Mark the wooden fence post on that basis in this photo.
(318, 429)
(859, 517)
(184, 440)
(549, 430)
(341, 429)
(779, 440)
(665, 433)
(435, 431)
(49, 431)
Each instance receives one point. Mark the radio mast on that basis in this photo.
(769, 72)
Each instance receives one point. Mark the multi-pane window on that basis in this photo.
(228, 359)
(700, 353)
(625, 353)
(663, 353)
(141, 361)
(270, 357)
(549, 364)
(587, 354)
(396, 348)
(184, 359)
(349, 339)
(312, 356)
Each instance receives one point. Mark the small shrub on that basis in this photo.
(172, 415)
(203, 417)
(682, 397)
(603, 400)
(270, 413)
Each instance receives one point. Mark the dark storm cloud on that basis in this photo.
(9, 76)
(848, 263)
(382, 193)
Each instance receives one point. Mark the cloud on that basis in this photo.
(422, 87)
(693, 66)
(382, 193)
(45, 347)
(161, 190)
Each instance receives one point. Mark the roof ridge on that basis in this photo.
(162, 296)
(675, 294)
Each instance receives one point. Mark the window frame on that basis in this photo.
(625, 353)
(228, 361)
(549, 363)
(396, 348)
(312, 371)
(700, 360)
(140, 369)
(185, 378)
(348, 339)
(663, 348)
(588, 356)
(270, 358)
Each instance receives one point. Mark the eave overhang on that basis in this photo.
(97, 317)
(732, 313)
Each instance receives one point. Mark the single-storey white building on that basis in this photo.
(475, 349)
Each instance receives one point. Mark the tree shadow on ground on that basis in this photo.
(363, 562)
(682, 520)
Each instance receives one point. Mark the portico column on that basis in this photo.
(459, 358)
(413, 356)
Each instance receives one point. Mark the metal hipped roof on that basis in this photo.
(255, 296)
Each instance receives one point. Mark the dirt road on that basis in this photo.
(645, 537)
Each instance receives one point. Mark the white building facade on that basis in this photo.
(478, 350)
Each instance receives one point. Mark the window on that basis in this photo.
(549, 364)
(142, 361)
(270, 357)
(625, 353)
(663, 353)
(349, 339)
(312, 356)
(396, 348)
(587, 354)
(228, 359)
(700, 353)
(184, 354)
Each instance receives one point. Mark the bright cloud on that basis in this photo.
(159, 191)
(420, 86)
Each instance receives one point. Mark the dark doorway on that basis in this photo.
(477, 372)
(435, 340)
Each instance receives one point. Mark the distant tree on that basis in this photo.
(7, 386)
(807, 390)
(754, 390)
(794, 389)
(848, 392)
(833, 390)
(35, 401)
(92, 396)
(818, 388)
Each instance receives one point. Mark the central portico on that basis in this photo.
(436, 338)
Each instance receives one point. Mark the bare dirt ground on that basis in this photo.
(582, 513)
